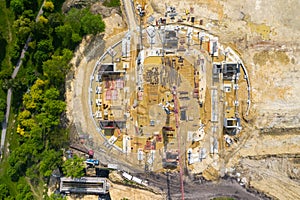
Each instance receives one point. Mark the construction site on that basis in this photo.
(174, 95)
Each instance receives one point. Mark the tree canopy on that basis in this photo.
(56, 68)
(48, 6)
(38, 133)
(92, 24)
(19, 6)
(4, 192)
(73, 167)
(77, 24)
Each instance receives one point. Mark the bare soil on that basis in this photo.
(266, 34)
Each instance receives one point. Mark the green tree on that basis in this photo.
(41, 31)
(40, 57)
(9, 198)
(33, 99)
(54, 107)
(59, 138)
(2, 104)
(76, 38)
(25, 114)
(51, 94)
(55, 19)
(7, 3)
(48, 6)
(36, 137)
(43, 19)
(44, 51)
(3, 44)
(14, 53)
(23, 25)
(73, 18)
(45, 46)
(24, 192)
(46, 121)
(4, 192)
(33, 174)
(29, 14)
(40, 83)
(67, 54)
(13, 173)
(17, 6)
(56, 68)
(84, 22)
(58, 4)
(73, 167)
(28, 124)
(64, 33)
(51, 160)
(92, 24)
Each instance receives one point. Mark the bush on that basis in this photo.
(15, 54)
(112, 3)
(48, 6)
(4, 192)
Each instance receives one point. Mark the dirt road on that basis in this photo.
(129, 9)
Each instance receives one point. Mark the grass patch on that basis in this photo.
(112, 3)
